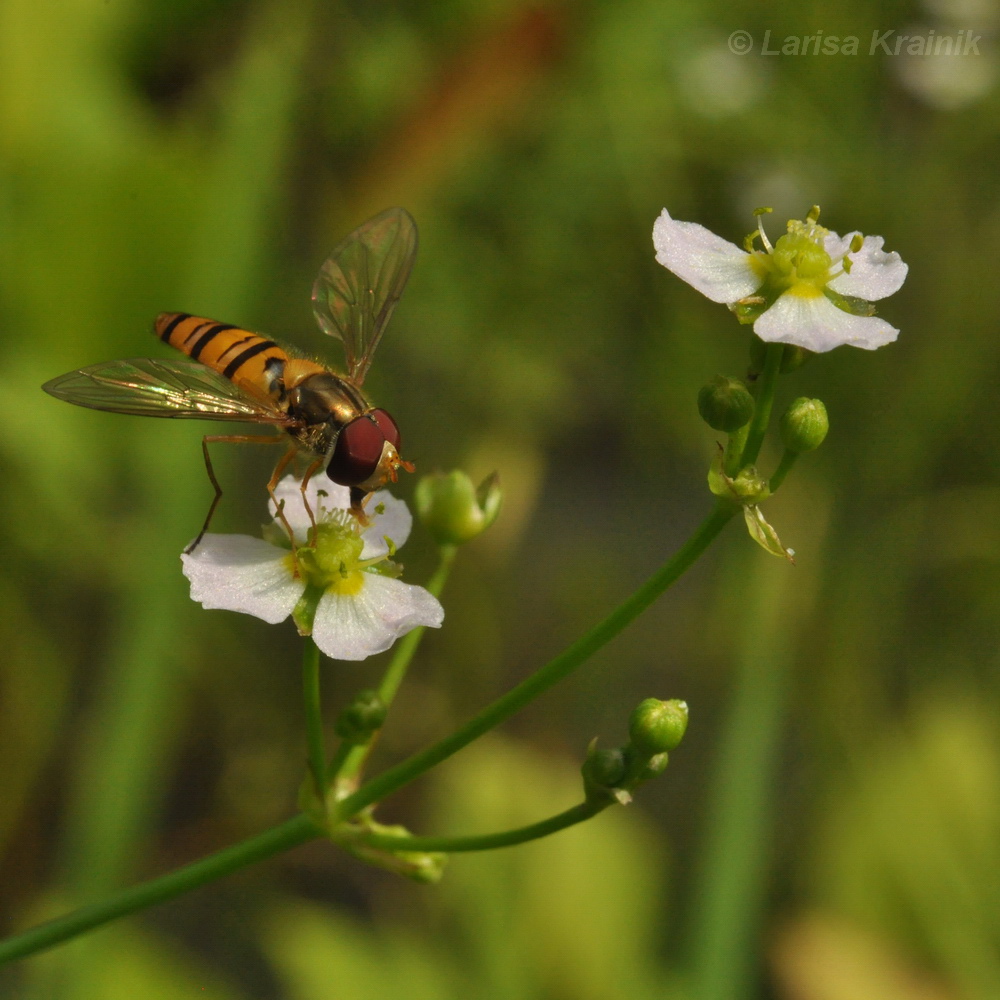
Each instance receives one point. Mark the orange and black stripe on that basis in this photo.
(238, 355)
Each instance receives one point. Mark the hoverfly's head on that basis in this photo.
(366, 453)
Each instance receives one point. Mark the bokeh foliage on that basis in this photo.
(205, 156)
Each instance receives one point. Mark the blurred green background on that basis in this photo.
(830, 829)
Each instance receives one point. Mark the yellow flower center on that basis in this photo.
(333, 559)
(799, 263)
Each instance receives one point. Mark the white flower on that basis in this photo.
(358, 610)
(813, 288)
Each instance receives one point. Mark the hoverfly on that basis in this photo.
(237, 375)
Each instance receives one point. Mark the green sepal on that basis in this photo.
(750, 309)
(305, 610)
(763, 534)
(387, 568)
(850, 304)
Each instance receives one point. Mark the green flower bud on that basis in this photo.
(603, 771)
(725, 404)
(792, 357)
(605, 768)
(657, 726)
(361, 718)
(804, 425)
(654, 767)
(453, 510)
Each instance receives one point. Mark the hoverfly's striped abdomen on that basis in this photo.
(236, 354)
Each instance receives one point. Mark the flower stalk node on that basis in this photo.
(420, 866)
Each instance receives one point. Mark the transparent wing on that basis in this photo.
(151, 388)
(361, 282)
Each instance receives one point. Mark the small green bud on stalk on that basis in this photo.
(725, 404)
(804, 425)
(364, 716)
(602, 771)
(654, 767)
(453, 510)
(657, 726)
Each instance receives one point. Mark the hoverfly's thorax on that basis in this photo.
(322, 397)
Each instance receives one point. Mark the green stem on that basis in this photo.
(488, 841)
(765, 397)
(545, 677)
(337, 761)
(349, 759)
(784, 467)
(302, 828)
(734, 451)
(314, 715)
(274, 841)
(732, 882)
(407, 647)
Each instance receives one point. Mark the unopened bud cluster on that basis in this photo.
(655, 728)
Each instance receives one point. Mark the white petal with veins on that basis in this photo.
(394, 521)
(289, 490)
(719, 269)
(240, 573)
(874, 274)
(353, 627)
(815, 323)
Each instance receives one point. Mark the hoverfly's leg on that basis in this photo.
(310, 472)
(229, 439)
(279, 505)
(358, 498)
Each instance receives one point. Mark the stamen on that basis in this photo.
(760, 213)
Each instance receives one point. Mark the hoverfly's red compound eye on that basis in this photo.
(387, 426)
(357, 453)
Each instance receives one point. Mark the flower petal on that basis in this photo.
(874, 274)
(353, 627)
(240, 573)
(716, 267)
(815, 323)
(290, 490)
(389, 517)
